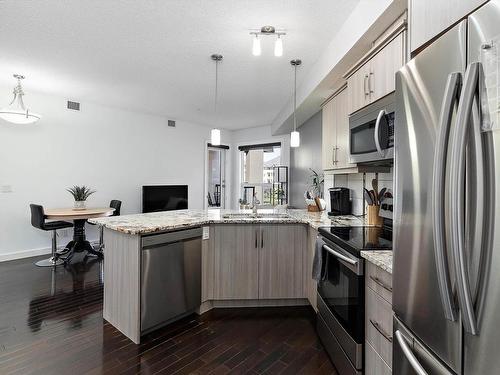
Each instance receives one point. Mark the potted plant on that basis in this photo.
(313, 196)
(80, 194)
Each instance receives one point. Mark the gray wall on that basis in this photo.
(308, 155)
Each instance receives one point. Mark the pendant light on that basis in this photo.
(16, 112)
(295, 136)
(215, 133)
(267, 31)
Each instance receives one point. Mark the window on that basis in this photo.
(257, 163)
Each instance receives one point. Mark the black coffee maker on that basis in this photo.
(339, 201)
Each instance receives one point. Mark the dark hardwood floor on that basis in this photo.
(51, 323)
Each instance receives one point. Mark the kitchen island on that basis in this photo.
(245, 260)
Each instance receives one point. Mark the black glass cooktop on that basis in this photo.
(356, 239)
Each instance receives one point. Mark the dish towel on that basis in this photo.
(317, 265)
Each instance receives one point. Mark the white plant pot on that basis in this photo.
(80, 205)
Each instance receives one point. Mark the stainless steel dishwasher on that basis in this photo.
(170, 277)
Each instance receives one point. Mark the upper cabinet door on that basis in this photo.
(357, 88)
(282, 256)
(236, 261)
(428, 18)
(342, 126)
(383, 68)
(329, 135)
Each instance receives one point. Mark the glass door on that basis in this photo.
(216, 180)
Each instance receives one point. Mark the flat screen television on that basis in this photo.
(156, 198)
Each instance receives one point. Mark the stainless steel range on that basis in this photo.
(341, 299)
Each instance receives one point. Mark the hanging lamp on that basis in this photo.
(295, 135)
(16, 112)
(215, 133)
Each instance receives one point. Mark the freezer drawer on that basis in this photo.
(410, 357)
(170, 277)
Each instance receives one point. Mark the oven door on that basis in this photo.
(341, 302)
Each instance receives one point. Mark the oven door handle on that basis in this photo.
(340, 256)
(381, 114)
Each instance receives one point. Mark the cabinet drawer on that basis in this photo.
(378, 324)
(374, 365)
(379, 280)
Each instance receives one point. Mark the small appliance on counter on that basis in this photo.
(340, 202)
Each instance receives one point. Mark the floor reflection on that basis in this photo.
(65, 301)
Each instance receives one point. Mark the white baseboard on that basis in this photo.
(31, 253)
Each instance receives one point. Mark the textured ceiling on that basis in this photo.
(153, 55)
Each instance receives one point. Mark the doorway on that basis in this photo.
(216, 179)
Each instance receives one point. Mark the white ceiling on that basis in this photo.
(153, 56)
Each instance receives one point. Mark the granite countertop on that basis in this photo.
(172, 220)
(382, 259)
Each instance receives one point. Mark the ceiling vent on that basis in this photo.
(75, 106)
(171, 123)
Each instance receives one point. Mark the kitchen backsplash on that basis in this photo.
(354, 182)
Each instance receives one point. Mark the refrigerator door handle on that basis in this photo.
(381, 114)
(409, 354)
(452, 92)
(457, 197)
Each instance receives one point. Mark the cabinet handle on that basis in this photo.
(380, 330)
(365, 81)
(379, 282)
(262, 238)
(370, 89)
(256, 234)
(334, 155)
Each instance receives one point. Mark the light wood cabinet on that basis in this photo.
(335, 124)
(375, 78)
(378, 320)
(236, 261)
(281, 261)
(311, 284)
(383, 68)
(254, 262)
(428, 18)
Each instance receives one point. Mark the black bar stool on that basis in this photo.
(117, 205)
(38, 221)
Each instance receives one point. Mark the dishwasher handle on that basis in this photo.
(155, 240)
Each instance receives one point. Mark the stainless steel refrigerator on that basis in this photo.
(446, 229)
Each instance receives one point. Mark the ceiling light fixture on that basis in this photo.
(16, 112)
(215, 133)
(295, 135)
(266, 31)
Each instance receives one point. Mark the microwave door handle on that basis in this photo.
(457, 197)
(340, 256)
(409, 354)
(438, 196)
(381, 114)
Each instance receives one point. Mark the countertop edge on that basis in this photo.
(382, 259)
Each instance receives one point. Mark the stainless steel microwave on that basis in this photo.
(371, 132)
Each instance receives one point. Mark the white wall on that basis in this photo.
(112, 150)
(261, 134)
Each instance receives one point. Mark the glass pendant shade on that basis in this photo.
(278, 47)
(294, 139)
(215, 137)
(16, 112)
(256, 50)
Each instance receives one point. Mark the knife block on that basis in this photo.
(372, 216)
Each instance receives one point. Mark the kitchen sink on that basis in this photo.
(255, 216)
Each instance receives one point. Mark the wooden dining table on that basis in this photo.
(79, 217)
